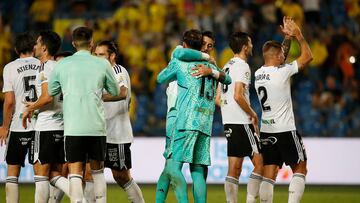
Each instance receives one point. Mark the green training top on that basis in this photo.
(81, 78)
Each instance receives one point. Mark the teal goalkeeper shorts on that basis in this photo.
(191, 147)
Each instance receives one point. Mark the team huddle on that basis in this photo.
(69, 113)
(84, 97)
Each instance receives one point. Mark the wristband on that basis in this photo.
(215, 74)
(205, 56)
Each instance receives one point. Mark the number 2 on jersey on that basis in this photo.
(30, 88)
(262, 90)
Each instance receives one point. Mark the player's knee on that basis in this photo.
(121, 177)
(234, 171)
(258, 168)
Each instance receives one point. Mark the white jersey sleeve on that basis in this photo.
(50, 116)
(290, 69)
(273, 87)
(171, 93)
(118, 126)
(231, 111)
(20, 77)
(8, 78)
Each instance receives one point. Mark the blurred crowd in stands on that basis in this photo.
(326, 95)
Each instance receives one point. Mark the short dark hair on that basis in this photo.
(269, 45)
(82, 36)
(63, 54)
(24, 43)
(51, 40)
(193, 38)
(209, 34)
(111, 46)
(237, 40)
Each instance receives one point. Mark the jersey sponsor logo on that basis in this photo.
(205, 111)
(24, 140)
(58, 115)
(112, 154)
(269, 141)
(268, 122)
(27, 67)
(228, 132)
(262, 76)
(58, 137)
(34, 115)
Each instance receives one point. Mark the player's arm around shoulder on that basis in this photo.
(223, 77)
(168, 74)
(209, 69)
(53, 86)
(186, 54)
(110, 85)
(121, 78)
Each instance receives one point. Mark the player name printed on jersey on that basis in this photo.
(239, 71)
(19, 77)
(272, 86)
(28, 67)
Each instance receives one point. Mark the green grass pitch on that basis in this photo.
(313, 194)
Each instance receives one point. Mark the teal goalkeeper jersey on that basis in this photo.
(81, 78)
(196, 96)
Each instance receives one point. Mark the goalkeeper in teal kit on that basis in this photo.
(195, 108)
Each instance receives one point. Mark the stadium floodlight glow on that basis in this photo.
(352, 59)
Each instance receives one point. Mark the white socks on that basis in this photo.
(12, 189)
(76, 191)
(253, 187)
(133, 191)
(89, 194)
(42, 189)
(56, 194)
(99, 185)
(231, 189)
(62, 183)
(296, 188)
(266, 190)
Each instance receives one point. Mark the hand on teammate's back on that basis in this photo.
(26, 117)
(201, 70)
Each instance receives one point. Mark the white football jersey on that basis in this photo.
(50, 117)
(232, 113)
(19, 77)
(118, 126)
(171, 93)
(273, 89)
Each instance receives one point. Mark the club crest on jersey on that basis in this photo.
(228, 132)
(247, 76)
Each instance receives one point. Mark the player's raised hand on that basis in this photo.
(3, 135)
(285, 26)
